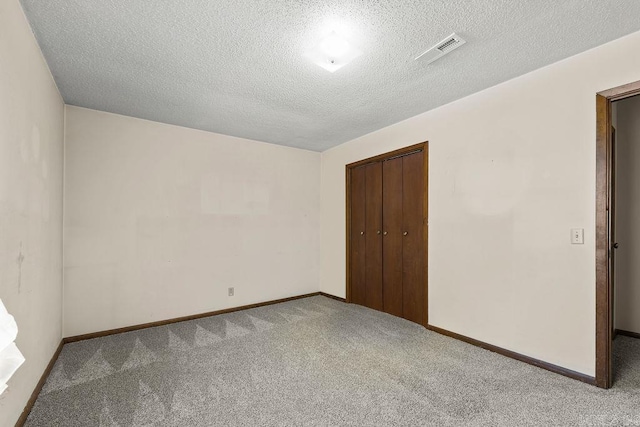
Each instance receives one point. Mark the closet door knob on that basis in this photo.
(405, 233)
(362, 233)
(378, 231)
(385, 233)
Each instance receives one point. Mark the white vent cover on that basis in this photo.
(447, 45)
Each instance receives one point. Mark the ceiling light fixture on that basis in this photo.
(332, 53)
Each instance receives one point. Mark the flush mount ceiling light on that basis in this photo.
(332, 53)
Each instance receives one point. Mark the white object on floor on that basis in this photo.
(10, 356)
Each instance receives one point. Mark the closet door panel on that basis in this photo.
(357, 242)
(392, 236)
(413, 251)
(373, 236)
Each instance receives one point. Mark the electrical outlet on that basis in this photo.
(231, 291)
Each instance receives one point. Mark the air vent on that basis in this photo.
(447, 45)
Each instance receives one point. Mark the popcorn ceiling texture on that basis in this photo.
(238, 68)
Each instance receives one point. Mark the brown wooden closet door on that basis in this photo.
(373, 236)
(392, 236)
(357, 242)
(413, 251)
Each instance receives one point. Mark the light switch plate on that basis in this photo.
(577, 236)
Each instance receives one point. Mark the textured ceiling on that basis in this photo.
(237, 67)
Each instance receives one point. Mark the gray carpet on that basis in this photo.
(318, 362)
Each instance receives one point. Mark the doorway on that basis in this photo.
(626, 236)
(607, 145)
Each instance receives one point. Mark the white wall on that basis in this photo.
(31, 146)
(627, 284)
(512, 170)
(160, 220)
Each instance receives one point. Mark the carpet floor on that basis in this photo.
(318, 362)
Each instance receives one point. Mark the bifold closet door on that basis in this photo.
(413, 250)
(386, 235)
(373, 236)
(392, 201)
(357, 239)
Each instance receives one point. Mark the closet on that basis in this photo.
(386, 233)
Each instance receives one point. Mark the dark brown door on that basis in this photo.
(413, 253)
(386, 233)
(357, 243)
(373, 236)
(392, 236)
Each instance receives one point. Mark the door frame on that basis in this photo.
(604, 286)
(424, 147)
